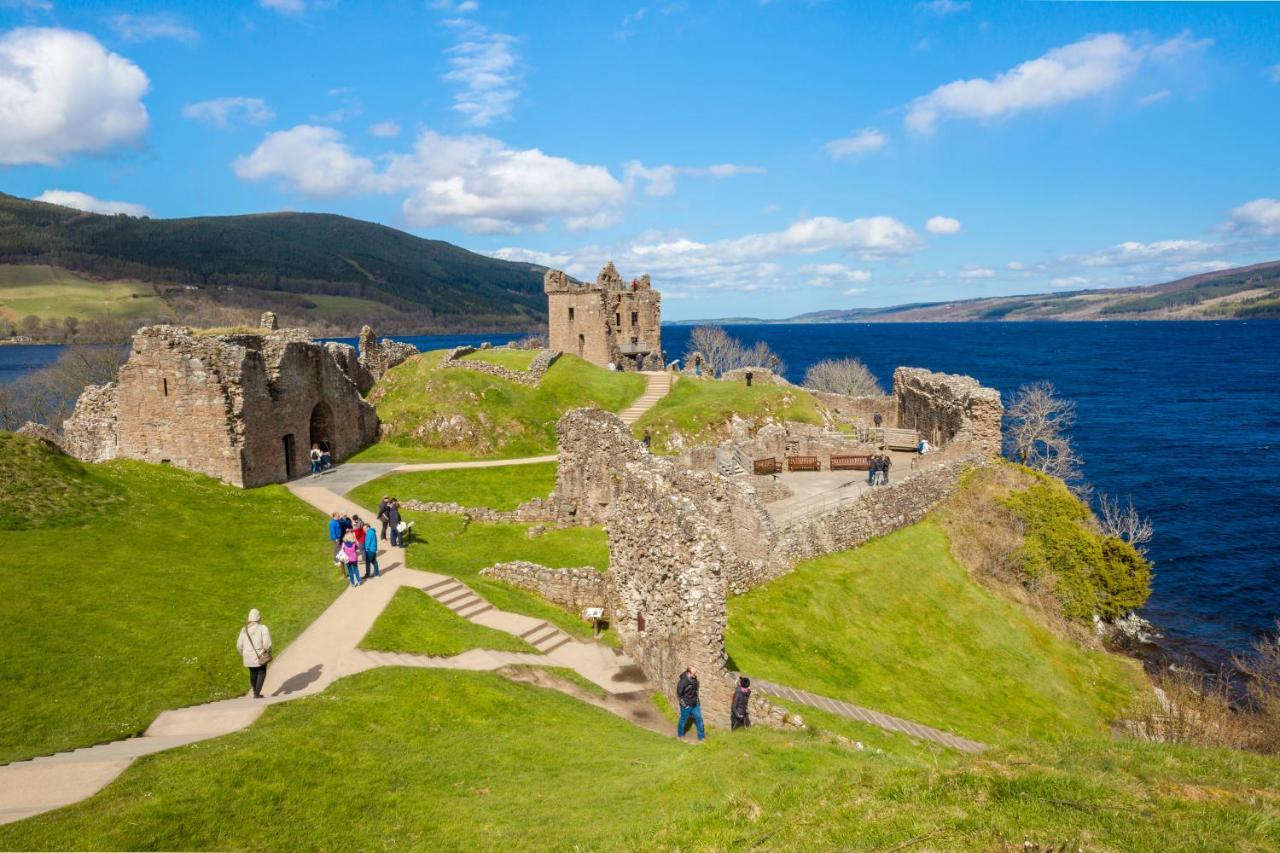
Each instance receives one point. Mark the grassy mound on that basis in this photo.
(416, 623)
(898, 625)
(434, 414)
(411, 759)
(502, 488)
(511, 359)
(43, 488)
(136, 610)
(700, 411)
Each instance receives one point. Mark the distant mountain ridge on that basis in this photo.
(238, 260)
(1231, 294)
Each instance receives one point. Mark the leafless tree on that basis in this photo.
(847, 376)
(1037, 435)
(48, 395)
(1123, 521)
(721, 351)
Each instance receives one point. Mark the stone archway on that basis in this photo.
(321, 431)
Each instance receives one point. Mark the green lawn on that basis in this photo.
(511, 359)
(416, 623)
(433, 414)
(502, 488)
(897, 625)
(127, 603)
(449, 545)
(47, 291)
(439, 760)
(700, 409)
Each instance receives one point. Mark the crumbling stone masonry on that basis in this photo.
(609, 321)
(531, 377)
(245, 408)
(946, 408)
(573, 589)
(377, 357)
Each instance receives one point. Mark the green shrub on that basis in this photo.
(1092, 574)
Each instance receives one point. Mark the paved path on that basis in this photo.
(326, 651)
(866, 715)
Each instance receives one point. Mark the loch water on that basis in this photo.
(1184, 417)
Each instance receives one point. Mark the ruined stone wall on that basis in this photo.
(531, 377)
(779, 441)
(244, 408)
(859, 409)
(876, 512)
(946, 407)
(573, 589)
(377, 357)
(538, 510)
(759, 376)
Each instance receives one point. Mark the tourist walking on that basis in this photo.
(382, 515)
(393, 522)
(690, 707)
(254, 645)
(326, 457)
(371, 553)
(646, 440)
(315, 460)
(335, 534)
(739, 715)
(351, 557)
(873, 466)
(877, 419)
(885, 462)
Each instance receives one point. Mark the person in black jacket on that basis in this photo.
(738, 714)
(690, 707)
(382, 516)
(393, 522)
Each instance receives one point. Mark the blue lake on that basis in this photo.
(1184, 417)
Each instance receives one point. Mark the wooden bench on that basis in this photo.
(803, 463)
(850, 463)
(765, 466)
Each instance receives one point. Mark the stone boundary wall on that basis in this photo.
(946, 408)
(876, 512)
(531, 377)
(90, 433)
(859, 408)
(759, 376)
(573, 589)
(538, 510)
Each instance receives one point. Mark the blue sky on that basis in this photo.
(756, 158)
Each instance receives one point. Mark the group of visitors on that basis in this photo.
(354, 541)
(878, 469)
(389, 515)
(691, 706)
(321, 458)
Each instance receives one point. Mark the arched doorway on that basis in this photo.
(582, 344)
(322, 428)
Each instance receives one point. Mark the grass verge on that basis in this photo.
(502, 488)
(416, 623)
(136, 609)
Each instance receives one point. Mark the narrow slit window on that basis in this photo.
(166, 386)
(570, 313)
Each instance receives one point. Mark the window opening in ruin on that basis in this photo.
(321, 425)
(288, 456)
(635, 319)
(166, 386)
(570, 313)
(617, 319)
(582, 344)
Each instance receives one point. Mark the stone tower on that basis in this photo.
(609, 320)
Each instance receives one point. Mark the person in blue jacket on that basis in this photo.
(335, 533)
(370, 553)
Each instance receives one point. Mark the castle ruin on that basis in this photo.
(606, 322)
(245, 408)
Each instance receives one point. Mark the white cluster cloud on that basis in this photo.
(661, 180)
(857, 144)
(1262, 216)
(474, 182)
(485, 67)
(84, 201)
(971, 272)
(1133, 252)
(224, 112)
(139, 28)
(385, 129)
(826, 275)
(942, 225)
(1082, 69)
(61, 93)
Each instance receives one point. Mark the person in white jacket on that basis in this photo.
(254, 645)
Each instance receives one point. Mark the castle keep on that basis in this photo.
(244, 408)
(610, 321)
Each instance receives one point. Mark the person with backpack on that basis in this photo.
(254, 646)
(739, 713)
(370, 553)
(351, 558)
(690, 707)
(315, 461)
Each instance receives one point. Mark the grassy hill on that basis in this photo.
(698, 412)
(249, 261)
(125, 586)
(434, 414)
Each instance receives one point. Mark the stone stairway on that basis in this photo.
(546, 638)
(458, 597)
(659, 385)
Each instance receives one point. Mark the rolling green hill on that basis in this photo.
(296, 260)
